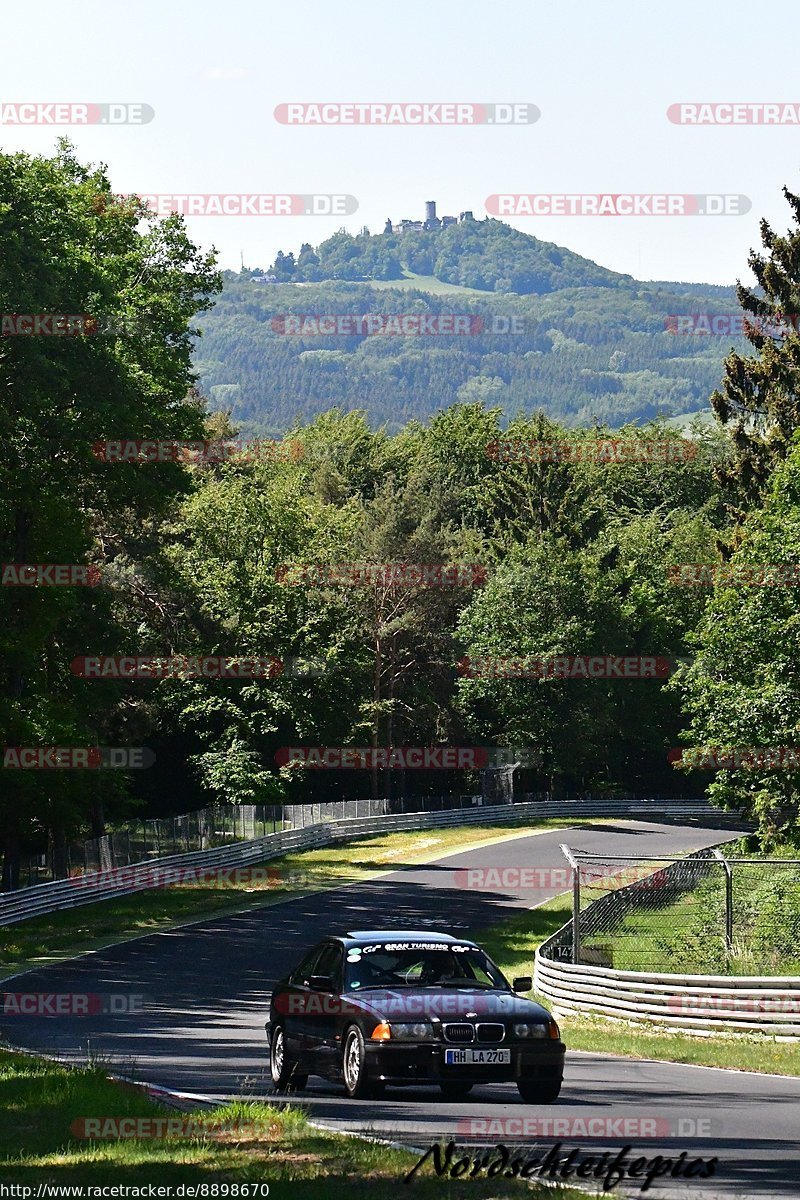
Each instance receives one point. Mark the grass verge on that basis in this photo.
(41, 1141)
(512, 944)
(691, 927)
(93, 926)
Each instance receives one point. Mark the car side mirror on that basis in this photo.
(321, 983)
(523, 983)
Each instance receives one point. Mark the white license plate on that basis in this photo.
(460, 1058)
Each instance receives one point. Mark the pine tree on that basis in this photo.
(759, 399)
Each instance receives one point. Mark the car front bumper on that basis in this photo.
(424, 1063)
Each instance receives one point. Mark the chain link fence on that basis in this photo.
(702, 914)
(138, 841)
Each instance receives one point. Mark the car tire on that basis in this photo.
(537, 1091)
(354, 1067)
(455, 1089)
(283, 1070)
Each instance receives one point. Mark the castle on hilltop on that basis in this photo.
(431, 221)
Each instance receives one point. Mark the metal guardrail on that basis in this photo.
(686, 1003)
(54, 896)
(215, 825)
(699, 1004)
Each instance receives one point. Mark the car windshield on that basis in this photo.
(391, 965)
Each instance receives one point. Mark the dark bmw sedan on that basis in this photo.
(402, 1007)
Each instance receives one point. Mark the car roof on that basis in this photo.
(403, 935)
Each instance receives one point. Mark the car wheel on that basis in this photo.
(354, 1067)
(535, 1091)
(283, 1071)
(454, 1089)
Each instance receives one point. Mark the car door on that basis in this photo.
(323, 1012)
(294, 1005)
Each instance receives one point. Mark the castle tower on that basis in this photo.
(430, 210)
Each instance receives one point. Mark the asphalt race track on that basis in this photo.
(207, 988)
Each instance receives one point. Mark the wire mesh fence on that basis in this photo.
(217, 825)
(705, 913)
(138, 841)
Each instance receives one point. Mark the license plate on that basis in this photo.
(460, 1058)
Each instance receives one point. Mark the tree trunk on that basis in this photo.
(58, 844)
(11, 855)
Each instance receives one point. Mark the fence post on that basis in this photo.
(576, 903)
(728, 900)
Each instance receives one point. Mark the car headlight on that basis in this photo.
(525, 1030)
(411, 1031)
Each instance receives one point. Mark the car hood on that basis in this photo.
(446, 1003)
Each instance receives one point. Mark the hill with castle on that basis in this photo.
(552, 331)
(485, 255)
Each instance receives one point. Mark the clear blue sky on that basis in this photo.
(602, 74)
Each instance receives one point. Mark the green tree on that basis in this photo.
(759, 400)
(742, 690)
(67, 250)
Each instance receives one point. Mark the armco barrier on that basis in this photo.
(67, 893)
(699, 1004)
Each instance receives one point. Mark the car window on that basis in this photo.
(305, 968)
(329, 962)
(372, 966)
(474, 970)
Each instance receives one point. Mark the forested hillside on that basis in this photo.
(287, 553)
(551, 331)
(487, 255)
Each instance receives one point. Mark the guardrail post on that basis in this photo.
(576, 903)
(728, 900)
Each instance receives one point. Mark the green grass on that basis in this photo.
(105, 922)
(684, 420)
(270, 1144)
(692, 926)
(636, 943)
(426, 283)
(512, 944)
